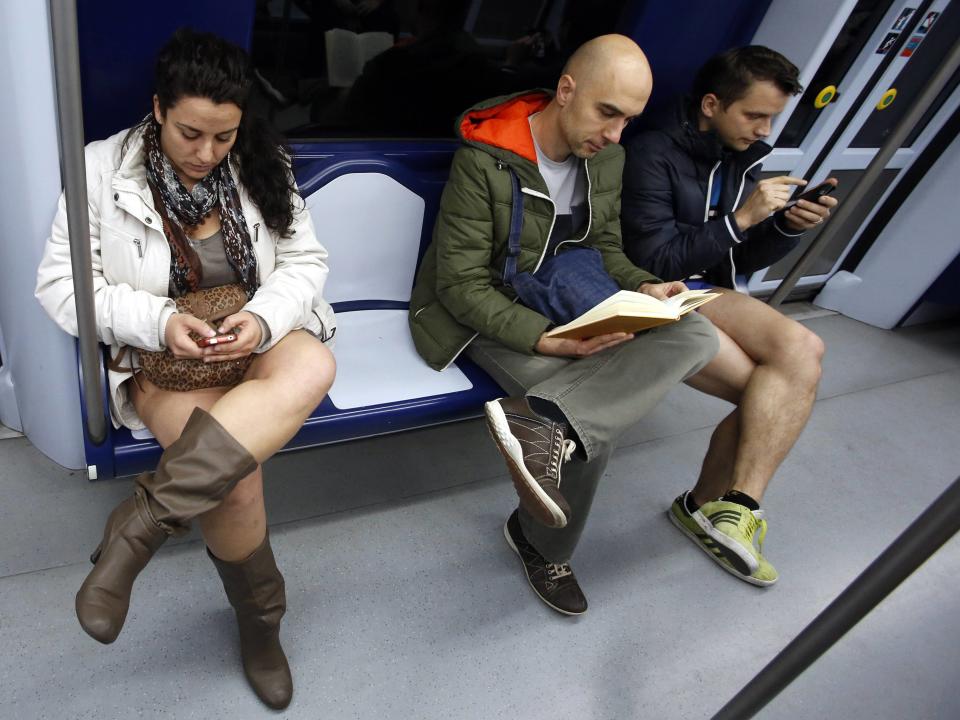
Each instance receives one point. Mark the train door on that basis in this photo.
(881, 54)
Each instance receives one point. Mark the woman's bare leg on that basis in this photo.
(262, 413)
(281, 388)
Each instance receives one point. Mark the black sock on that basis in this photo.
(690, 503)
(550, 411)
(741, 498)
(547, 409)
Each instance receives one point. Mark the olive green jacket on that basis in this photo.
(459, 290)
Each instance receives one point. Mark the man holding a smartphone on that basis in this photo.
(695, 209)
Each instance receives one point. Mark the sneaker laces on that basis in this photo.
(750, 522)
(762, 520)
(555, 571)
(560, 448)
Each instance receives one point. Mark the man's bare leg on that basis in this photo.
(774, 396)
(726, 376)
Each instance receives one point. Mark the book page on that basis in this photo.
(344, 61)
(689, 300)
(372, 44)
(625, 296)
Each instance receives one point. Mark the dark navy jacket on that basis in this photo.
(667, 181)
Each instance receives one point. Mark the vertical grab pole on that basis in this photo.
(850, 204)
(66, 64)
(937, 524)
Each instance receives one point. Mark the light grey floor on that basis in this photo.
(404, 601)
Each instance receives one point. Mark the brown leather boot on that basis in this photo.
(255, 589)
(194, 475)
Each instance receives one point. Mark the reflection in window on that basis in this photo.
(408, 68)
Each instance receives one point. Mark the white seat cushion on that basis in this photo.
(370, 224)
(377, 362)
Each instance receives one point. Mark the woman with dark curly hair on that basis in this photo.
(195, 201)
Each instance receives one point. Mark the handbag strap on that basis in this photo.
(516, 225)
(113, 363)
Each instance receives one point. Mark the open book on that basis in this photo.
(629, 311)
(348, 52)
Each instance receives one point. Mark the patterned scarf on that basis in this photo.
(182, 211)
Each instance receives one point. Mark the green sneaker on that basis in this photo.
(725, 531)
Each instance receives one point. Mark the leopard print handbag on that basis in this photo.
(169, 373)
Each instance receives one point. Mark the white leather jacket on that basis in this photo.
(131, 266)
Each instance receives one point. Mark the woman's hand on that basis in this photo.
(245, 326)
(177, 335)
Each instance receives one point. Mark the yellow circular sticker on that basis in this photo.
(825, 96)
(887, 98)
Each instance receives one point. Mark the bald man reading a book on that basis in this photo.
(528, 238)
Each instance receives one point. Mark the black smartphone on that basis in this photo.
(813, 194)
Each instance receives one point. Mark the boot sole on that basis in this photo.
(506, 535)
(729, 568)
(540, 504)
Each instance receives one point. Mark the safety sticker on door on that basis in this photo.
(887, 43)
(901, 22)
(911, 45)
(928, 22)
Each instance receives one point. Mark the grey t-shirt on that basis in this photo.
(213, 259)
(565, 185)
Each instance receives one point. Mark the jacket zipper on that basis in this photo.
(743, 180)
(589, 211)
(256, 239)
(706, 207)
(527, 191)
(324, 334)
(139, 244)
(534, 193)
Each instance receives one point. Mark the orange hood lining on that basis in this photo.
(506, 125)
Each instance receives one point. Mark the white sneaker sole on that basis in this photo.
(511, 450)
(729, 568)
(728, 542)
(506, 535)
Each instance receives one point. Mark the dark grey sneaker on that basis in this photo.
(554, 583)
(534, 448)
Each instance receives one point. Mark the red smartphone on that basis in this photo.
(813, 194)
(216, 340)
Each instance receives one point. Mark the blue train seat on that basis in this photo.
(373, 205)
